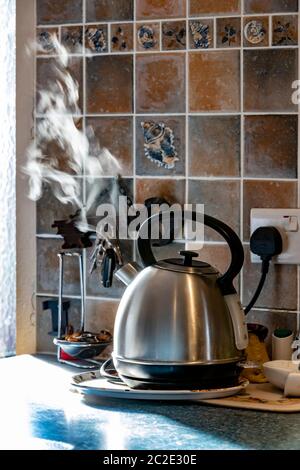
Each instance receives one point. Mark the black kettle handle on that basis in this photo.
(235, 245)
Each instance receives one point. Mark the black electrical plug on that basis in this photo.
(266, 242)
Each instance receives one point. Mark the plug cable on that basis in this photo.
(264, 272)
(265, 242)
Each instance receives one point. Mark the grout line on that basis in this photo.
(160, 36)
(242, 146)
(215, 34)
(134, 122)
(187, 109)
(175, 51)
(101, 298)
(210, 114)
(275, 310)
(109, 47)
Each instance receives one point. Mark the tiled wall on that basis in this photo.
(217, 74)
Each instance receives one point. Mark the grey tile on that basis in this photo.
(105, 191)
(109, 10)
(48, 269)
(214, 143)
(280, 290)
(268, 78)
(49, 209)
(270, 6)
(271, 146)
(221, 199)
(59, 11)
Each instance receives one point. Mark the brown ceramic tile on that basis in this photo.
(72, 38)
(214, 145)
(96, 38)
(160, 83)
(173, 190)
(268, 78)
(44, 323)
(109, 10)
(115, 134)
(217, 87)
(48, 269)
(109, 84)
(285, 30)
(228, 32)
(54, 153)
(47, 75)
(267, 194)
(256, 31)
(221, 199)
(147, 36)
(148, 9)
(174, 35)
(270, 6)
(271, 144)
(93, 281)
(44, 37)
(280, 290)
(160, 145)
(273, 320)
(49, 209)
(213, 7)
(201, 34)
(121, 37)
(59, 11)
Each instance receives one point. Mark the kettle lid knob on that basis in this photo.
(188, 257)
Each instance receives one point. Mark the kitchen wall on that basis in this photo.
(218, 75)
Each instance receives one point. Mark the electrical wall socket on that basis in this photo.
(287, 221)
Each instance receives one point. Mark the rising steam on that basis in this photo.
(56, 105)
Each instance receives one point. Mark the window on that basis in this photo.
(7, 178)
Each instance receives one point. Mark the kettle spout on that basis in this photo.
(128, 273)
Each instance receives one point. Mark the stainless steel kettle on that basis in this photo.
(180, 324)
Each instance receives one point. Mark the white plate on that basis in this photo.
(91, 383)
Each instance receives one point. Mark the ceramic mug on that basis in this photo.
(282, 347)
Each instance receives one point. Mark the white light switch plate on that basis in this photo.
(287, 221)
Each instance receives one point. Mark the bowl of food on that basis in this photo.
(84, 345)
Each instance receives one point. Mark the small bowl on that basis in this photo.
(81, 350)
(277, 372)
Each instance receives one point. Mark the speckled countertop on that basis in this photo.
(38, 411)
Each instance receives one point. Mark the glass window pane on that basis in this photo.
(7, 179)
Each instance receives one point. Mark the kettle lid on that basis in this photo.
(187, 264)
